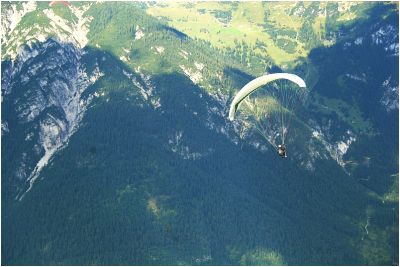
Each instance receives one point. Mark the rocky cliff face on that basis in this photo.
(25, 23)
(43, 103)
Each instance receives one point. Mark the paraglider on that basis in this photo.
(271, 110)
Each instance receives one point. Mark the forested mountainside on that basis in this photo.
(116, 147)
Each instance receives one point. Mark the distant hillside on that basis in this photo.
(282, 31)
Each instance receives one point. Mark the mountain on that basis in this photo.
(117, 150)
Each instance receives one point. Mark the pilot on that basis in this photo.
(282, 151)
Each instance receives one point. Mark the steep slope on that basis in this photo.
(349, 88)
(143, 167)
(144, 180)
(43, 106)
(363, 70)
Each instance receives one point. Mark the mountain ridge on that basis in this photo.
(155, 156)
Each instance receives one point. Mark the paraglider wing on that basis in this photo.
(258, 82)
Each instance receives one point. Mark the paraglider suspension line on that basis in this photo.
(261, 130)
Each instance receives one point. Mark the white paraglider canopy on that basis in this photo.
(257, 83)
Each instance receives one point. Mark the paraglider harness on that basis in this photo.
(282, 151)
